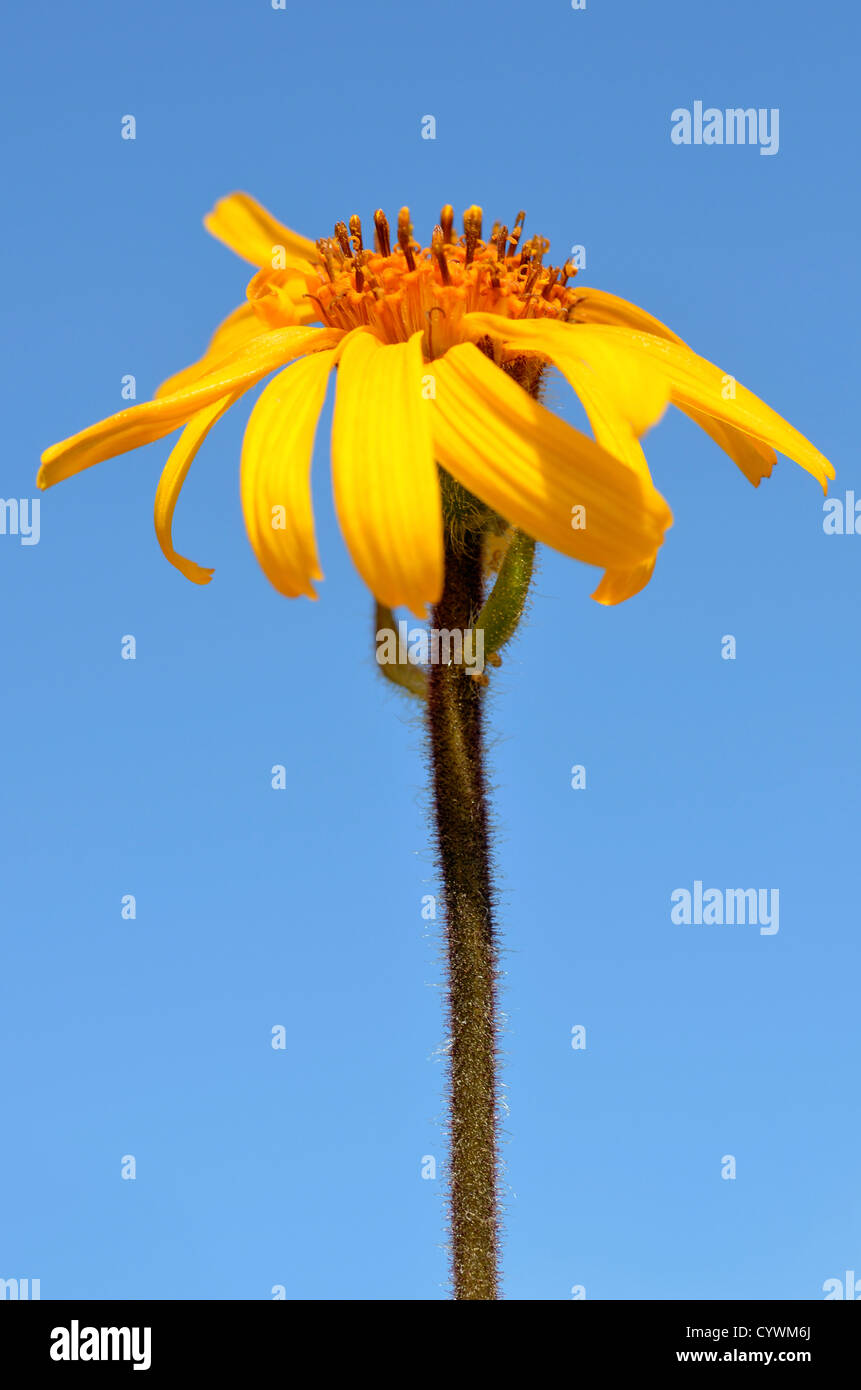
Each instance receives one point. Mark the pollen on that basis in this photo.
(401, 287)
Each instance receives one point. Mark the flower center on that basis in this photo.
(399, 290)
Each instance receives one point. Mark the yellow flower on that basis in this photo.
(440, 354)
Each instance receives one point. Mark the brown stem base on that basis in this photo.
(461, 817)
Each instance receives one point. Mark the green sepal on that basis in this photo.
(507, 600)
(403, 674)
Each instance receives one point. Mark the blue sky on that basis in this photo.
(302, 908)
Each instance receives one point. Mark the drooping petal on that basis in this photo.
(385, 479)
(700, 386)
(621, 400)
(755, 459)
(247, 228)
(170, 485)
(622, 583)
(141, 424)
(275, 476)
(614, 394)
(619, 387)
(535, 470)
(622, 393)
(238, 328)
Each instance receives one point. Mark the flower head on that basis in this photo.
(440, 352)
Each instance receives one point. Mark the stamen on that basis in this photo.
(437, 246)
(531, 278)
(371, 281)
(528, 251)
(428, 287)
(551, 281)
(343, 238)
(381, 227)
(321, 307)
(434, 309)
(324, 247)
(517, 233)
(404, 237)
(472, 231)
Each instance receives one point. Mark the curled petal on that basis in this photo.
(620, 584)
(698, 385)
(622, 393)
(535, 470)
(170, 485)
(755, 459)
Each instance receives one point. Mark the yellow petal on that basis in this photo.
(170, 485)
(385, 479)
(141, 424)
(535, 470)
(247, 228)
(622, 393)
(276, 474)
(755, 459)
(698, 385)
(279, 297)
(620, 584)
(622, 404)
(633, 392)
(238, 328)
(596, 306)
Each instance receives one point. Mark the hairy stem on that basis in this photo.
(460, 806)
